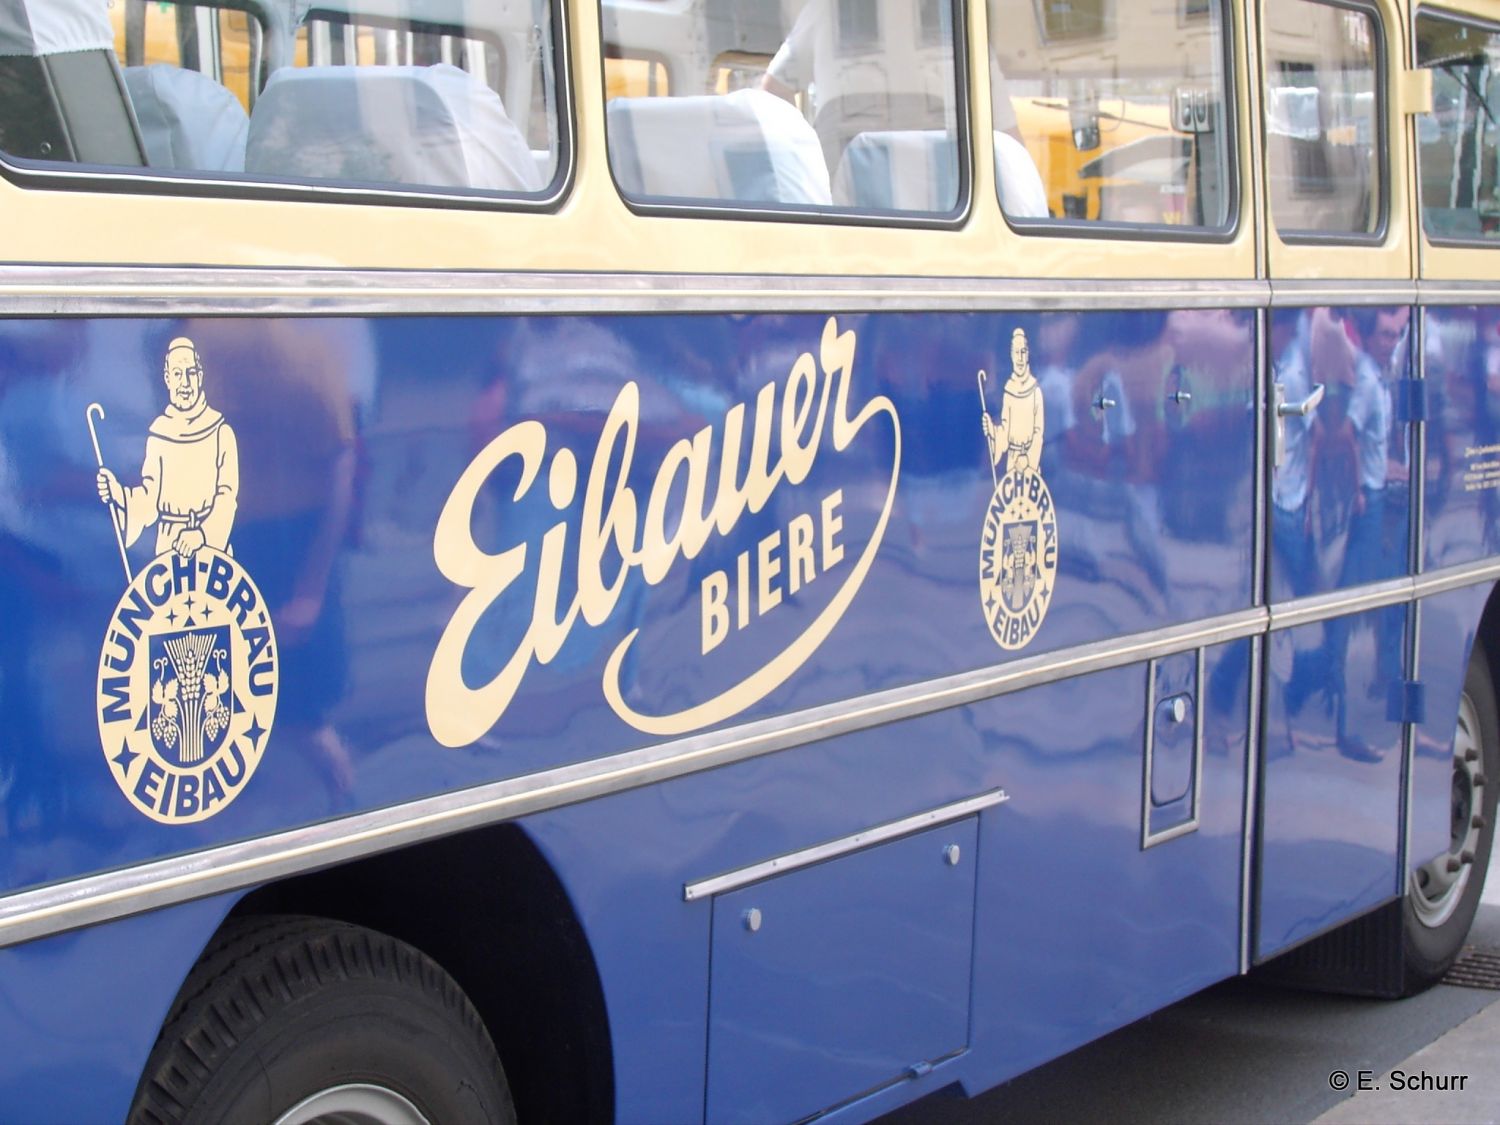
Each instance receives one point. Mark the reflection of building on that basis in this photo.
(1321, 118)
(869, 66)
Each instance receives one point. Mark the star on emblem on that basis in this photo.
(124, 758)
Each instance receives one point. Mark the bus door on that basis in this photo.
(1339, 361)
(1455, 146)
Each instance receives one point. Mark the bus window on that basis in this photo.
(1323, 122)
(366, 93)
(1126, 117)
(841, 105)
(1456, 143)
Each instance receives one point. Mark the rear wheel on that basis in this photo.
(1443, 894)
(297, 1020)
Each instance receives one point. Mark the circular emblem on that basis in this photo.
(187, 685)
(1018, 557)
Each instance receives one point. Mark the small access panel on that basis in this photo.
(833, 981)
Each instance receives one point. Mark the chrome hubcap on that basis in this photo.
(356, 1103)
(1438, 885)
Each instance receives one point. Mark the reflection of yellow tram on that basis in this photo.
(1135, 150)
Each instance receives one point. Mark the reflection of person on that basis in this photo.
(297, 419)
(816, 59)
(1294, 559)
(1017, 436)
(190, 477)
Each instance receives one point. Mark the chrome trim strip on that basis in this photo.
(1409, 749)
(1458, 292)
(147, 886)
(1448, 578)
(1150, 751)
(1296, 293)
(1260, 529)
(1322, 607)
(178, 291)
(806, 857)
(1252, 797)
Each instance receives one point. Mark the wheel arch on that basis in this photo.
(488, 907)
(1488, 634)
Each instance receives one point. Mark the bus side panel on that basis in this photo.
(374, 461)
(1081, 930)
(1449, 624)
(625, 860)
(79, 1012)
(1332, 780)
(1078, 930)
(1462, 498)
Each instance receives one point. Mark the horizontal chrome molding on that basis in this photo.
(102, 897)
(1447, 578)
(114, 894)
(1299, 293)
(1458, 292)
(1322, 607)
(806, 857)
(182, 291)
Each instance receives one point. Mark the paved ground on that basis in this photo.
(1247, 1052)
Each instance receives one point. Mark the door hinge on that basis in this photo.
(1411, 400)
(1406, 702)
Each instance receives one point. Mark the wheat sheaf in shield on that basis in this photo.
(1018, 545)
(188, 672)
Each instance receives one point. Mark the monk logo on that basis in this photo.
(1018, 549)
(187, 675)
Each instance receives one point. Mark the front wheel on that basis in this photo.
(1443, 894)
(296, 1020)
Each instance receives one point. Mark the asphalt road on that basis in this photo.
(1240, 1052)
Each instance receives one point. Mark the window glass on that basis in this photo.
(1111, 113)
(834, 105)
(1323, 146)
(1457, 154)
(432, 94)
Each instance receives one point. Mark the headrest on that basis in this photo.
(431, 126)
(187, 119)
(53, 27)
(749, 147)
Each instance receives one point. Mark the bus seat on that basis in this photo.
(188, 120)
(62, 96)
(747, 147)
(1023, 195)
(433, 126)
(899, 170)
(917, 170)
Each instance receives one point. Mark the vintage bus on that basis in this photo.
(728, 560)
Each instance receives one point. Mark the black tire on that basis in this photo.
(1440, 903)
(282, 1008)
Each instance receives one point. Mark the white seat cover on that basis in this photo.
(917, 170)
(746, 147)
(433, 126)
(187, 119)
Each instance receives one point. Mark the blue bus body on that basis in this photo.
(509, 512)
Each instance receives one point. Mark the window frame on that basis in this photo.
(687, 208)
(1114, 231)
(41, 175)
(1377, 237)
(1467, 19)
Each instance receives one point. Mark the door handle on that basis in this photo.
(1286, 410)
(1298, 409)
